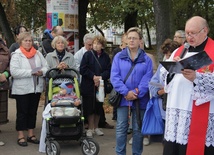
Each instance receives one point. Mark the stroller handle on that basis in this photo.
(57, 73)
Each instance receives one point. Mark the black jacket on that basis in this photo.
(89, 67)
(46, 41)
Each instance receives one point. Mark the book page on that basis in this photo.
(193, 62)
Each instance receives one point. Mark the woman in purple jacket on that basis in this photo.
(135, 90)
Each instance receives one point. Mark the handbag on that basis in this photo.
(108, 87)
(152, 121)
(114, 97)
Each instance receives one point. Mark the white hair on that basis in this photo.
(88, 36)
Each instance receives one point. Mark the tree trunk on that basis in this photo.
(130, 20)
(6, 27)
(162, 20)
(83, 9)
(148, 35)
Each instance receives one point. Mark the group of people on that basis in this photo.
(189, 108)
(188, 113)
(28, 67)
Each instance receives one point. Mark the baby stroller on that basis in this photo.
(70, 124)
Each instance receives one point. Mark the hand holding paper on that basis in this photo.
(37, 71)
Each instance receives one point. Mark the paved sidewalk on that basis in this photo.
(106, 142)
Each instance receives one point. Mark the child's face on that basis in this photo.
(62, 91)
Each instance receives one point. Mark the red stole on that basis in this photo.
(200, 114)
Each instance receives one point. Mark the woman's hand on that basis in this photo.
(131, 96)
(62, 65)
(39, 73)
(3, 77)
(161, 92)
(97, 80)
(189, 74)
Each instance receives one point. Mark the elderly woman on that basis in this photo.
(60, 58)
(95, 65)
(27, 67)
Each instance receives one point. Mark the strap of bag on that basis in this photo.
(131, 69)
(44, 51)
(96, 60)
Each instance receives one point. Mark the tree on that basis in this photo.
(5, 26)
(31, 13)
(83, 9)
(162, 20)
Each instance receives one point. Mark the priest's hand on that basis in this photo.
(189, 74)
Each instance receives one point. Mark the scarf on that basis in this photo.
(60, 55)
(29, 54)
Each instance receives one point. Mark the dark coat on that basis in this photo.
(89, 67)
(46, 41)
(4, 63)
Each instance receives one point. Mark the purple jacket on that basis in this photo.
(139, 77)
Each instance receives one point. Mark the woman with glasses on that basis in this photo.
(180, 36)
(132, 64)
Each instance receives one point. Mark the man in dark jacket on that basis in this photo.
(48, 37)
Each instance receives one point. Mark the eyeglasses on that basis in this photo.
(132, 38)
(193, 34)
(176, 37)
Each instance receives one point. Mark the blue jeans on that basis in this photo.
(121, 131)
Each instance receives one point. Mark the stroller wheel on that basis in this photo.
(90, 147)
(54, 150)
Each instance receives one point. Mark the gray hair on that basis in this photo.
(61, 38)
(88, 36)
(23, 36)
(135, 29)
(181, 32)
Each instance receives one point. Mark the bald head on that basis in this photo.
(196, 30)
(57, 30)
(197, 21)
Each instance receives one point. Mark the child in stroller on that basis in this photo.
(63, 115)
(65, 95)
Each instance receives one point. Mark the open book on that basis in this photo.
(193, 62)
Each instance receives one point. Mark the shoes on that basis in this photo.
(114, 118)
(129, 131)
(130, 141)
(146, 141)
(2, 143)
(98, 132)
(23, 144)
(105, 125)
(89, 133)
(86, 126)
(33, 140)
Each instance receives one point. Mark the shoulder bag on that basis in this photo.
(114, 97)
